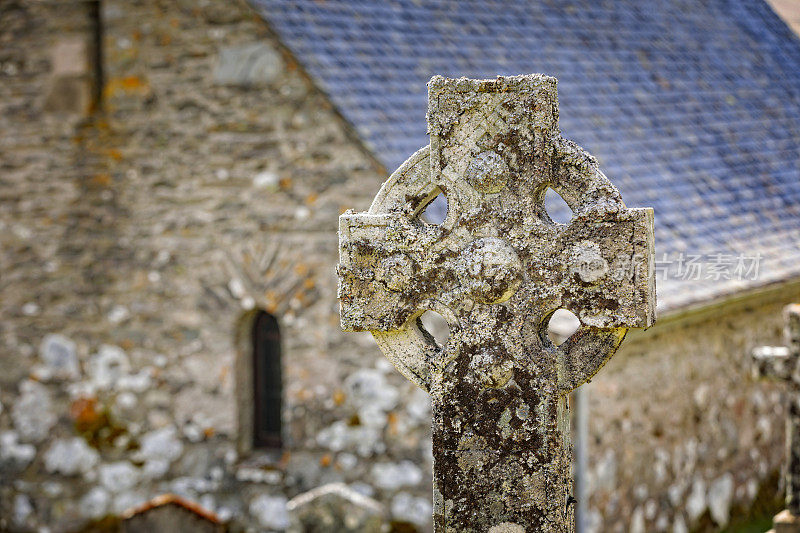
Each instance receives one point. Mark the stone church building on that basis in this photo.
(171, 173)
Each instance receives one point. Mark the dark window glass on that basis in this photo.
(266, 382)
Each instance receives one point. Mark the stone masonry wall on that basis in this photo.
(683, 437)
(137, 243)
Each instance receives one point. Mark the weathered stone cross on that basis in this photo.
(496, 269)
(783, 363)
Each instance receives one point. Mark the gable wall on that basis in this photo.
(146, 235)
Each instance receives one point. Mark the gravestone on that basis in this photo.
(781, 362)
(335, 507)
(496, 269)
(170, 512)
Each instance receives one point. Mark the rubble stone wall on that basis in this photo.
(137, 244)
(683, 435)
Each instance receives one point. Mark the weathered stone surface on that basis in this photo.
(14, 456)
(720, 494)
(413, 509)
(158, 449)
(33, 412)
(70, 80)
(395, 475)
(118, 230)
(119, 476)
(341, 436)
(270, 511)
(95, 503)
(22, 509)
(335, 507)
(59, 355)
(70, 457)
(247, 65)
(696, 501)
(138, 220)
(108, 366)
(496, 269)
(785, 522)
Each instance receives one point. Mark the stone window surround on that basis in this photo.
(249, 456)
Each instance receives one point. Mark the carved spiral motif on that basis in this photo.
(588, 262)
(492, 270)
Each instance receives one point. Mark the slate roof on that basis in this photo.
(691, 107)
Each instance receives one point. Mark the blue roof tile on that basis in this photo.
(691, 107)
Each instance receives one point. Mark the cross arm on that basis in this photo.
(387, 269)
(608, 282)
(606, 262)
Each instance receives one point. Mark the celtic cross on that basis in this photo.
(783, 363)
(496, 269)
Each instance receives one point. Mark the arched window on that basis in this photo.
(267, 388)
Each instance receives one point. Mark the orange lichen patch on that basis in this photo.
(165, 39)
(128, 84)
(338, 397)
(174, 22)
(309, 283)
(304, 395)
(284, 459)
(172, 499)
(271, 301)
(101, 180)
(299, 298)
(326, 460)
(208, 432)
(301, 269)
(93, 423)
(131, 83)
(391, 419)
(285, 183)
(126, 344)
(114, 154)
(311, 199)
(84, 413)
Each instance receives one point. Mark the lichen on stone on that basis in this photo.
(496, 269)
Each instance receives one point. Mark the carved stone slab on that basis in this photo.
(496, 269)
(335, 507)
